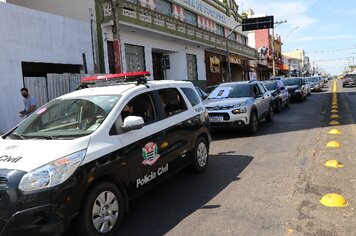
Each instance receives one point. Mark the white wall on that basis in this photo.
(77, 9)
(176, 50)
(32, 36)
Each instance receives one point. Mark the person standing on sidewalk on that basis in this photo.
(29, 102)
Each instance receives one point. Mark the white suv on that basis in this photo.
(239, 104)
(84, 155)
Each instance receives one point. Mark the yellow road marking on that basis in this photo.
(333, 200)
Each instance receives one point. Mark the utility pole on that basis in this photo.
(228, 53)
(273, 49)
(116, 37)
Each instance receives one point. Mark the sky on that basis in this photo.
(324, 29)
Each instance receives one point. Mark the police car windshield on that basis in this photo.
(231, 91)
(66, 118)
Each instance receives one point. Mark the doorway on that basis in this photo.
(157, 66)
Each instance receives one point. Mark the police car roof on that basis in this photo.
(126, 87)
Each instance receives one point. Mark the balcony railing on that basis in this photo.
(135, 14)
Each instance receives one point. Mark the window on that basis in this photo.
(135, 58)
(164, 7)
(232, 36)
(220, 30)
(243, 40)
(262, 88)
(141, 106)
(190, 17)
(192, 96)
(172, 101)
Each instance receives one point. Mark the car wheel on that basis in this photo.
(279, 106)
(102, 211)
(253, 122)
(269, 117)
(200, 155)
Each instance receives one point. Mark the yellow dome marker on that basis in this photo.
(334, 131)
(334, 111)
(334, 122)
(335, 107)
(333, 144)
(333, 200)
(333, 164)
(333, 116)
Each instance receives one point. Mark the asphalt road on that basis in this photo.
(266, 184)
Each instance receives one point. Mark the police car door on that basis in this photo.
(141, 147)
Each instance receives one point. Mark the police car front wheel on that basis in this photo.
(200, 155)
(102, 211)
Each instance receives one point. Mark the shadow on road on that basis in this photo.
(159, 210)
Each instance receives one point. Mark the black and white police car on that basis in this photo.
(82, 156)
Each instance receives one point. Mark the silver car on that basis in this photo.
(239, 104)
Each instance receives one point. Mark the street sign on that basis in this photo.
(257, 23)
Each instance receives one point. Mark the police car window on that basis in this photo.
(67, 118)
(172, 101)
(191, 95)
(141, 106)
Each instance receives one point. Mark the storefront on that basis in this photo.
(215, 68)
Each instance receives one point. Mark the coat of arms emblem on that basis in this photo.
(150, 154)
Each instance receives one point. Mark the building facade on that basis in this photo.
(33, 44)
(179, 40)
(296, 56)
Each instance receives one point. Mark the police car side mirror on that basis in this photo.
(132, 123)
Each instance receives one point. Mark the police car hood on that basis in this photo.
(224, 102)
(27, 155)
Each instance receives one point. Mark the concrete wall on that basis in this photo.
(32, 36)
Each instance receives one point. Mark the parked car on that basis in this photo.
(203, 95)
(239, 104)
(280, 95)
(210, 88)
(349, 80)
(296, 88)
(307, 86)
(82, 156)
(315, 83)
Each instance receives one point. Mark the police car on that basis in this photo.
(79, 159)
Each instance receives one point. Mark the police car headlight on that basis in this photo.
(51, 174)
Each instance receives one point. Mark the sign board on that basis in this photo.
(257, 23)
(214, 64)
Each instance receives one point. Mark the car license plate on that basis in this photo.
(216, 118)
